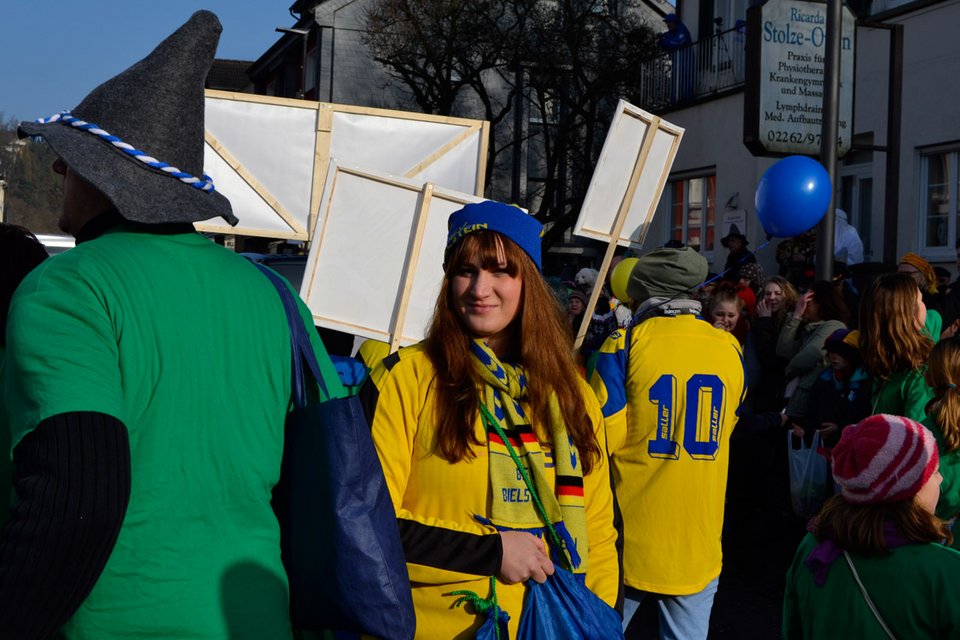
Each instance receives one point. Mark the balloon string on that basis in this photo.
(725, 271)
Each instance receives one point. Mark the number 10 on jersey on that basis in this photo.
(704, 407)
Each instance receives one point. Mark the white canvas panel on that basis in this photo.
(429, 270)
(359, 264)
(358, 260)
(393, 145)
(274, 143)
(272, 158)
(609, 184)
(457, 168)
(258, 216)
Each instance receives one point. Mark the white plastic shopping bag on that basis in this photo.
(809, 473)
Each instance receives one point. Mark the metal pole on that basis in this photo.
(333, 51)
(303, 66)
(829, 134)
(517, 133)
(891, 187)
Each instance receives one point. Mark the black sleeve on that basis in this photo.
(766, 342)
(826, 403)
(752, 424)
(72, 477)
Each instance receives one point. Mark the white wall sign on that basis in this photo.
(786, 43)
(736, 217)
(270, 155)
(375, 263)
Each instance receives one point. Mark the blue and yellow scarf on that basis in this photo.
(512, 506)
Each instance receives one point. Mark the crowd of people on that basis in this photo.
(147, 379)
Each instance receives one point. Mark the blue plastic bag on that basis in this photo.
(563, 608)
(339, 540)
(494, 627)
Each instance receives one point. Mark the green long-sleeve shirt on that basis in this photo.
(904, 393)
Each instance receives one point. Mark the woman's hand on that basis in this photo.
(524, 558)
(796, 429)
(802, 303)
(763, 310)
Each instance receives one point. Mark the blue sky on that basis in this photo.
(53, 53)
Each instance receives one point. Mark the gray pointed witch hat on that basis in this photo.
(138, 137)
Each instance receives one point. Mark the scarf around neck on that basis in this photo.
(512, 506)
(826, 552)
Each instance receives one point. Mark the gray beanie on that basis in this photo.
(666, 273)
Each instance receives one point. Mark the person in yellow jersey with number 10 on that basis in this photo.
(670, 386)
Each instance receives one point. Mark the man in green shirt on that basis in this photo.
(147, 384)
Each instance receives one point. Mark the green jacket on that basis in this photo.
(949, 504)
(904, 393)
(914, 588)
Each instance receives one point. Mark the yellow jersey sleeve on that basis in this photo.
(603, 576)
(435, 500)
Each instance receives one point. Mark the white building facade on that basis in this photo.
(715, 176)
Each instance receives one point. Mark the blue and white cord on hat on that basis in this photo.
(206, 184)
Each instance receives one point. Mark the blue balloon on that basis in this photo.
(792, 196)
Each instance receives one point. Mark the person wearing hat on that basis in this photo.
(660, 383)
(873, 565)
(576, 307)
(497, 359)
(677, 35)
(736, 243)
(841, 395)
(148, 383)
(926, 278)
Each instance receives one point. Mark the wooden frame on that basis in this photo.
(383, 286)
(253, 198)
(625, 190)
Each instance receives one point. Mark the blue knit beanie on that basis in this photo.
(505, 219)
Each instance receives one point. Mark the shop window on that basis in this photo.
(692, 214)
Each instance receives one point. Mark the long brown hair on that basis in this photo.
(942, 375)
(859, 527)
(889, 339)
(541, 341)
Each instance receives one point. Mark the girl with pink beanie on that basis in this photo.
(874, 564)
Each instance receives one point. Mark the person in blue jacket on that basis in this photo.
(676, 41)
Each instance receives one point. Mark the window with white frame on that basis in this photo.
(938, 204)
(692, 211)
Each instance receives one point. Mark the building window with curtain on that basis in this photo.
(692, 211)
(938, 205)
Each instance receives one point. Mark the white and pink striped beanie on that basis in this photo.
(884, 458)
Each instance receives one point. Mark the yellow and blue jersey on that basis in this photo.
(443, 508)
(670, 403)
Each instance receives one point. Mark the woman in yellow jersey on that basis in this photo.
(498, 339)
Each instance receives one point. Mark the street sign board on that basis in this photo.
(783, 103)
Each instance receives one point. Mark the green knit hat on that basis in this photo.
(666, 273)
